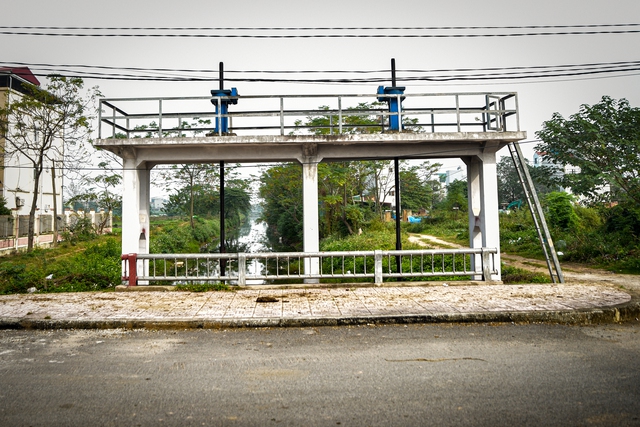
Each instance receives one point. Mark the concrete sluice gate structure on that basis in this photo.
(146, 132)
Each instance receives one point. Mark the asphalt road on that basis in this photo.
(415, 375)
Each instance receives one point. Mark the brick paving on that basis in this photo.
(298, 304)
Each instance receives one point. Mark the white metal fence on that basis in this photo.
(286, 114)
(245, 268)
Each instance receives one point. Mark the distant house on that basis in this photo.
(558, 171)
(16, 175)
(157, 205)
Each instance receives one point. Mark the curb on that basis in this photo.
(616, 314)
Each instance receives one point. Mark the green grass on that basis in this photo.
(204, 287)
(513, 276)
(93, 262)
(92, 265)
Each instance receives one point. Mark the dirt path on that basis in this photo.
(434, 242)
(573, 273)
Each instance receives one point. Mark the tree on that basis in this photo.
(281, 193)
(603, 140)
(4, 210)
(349, 193)
(509, 186)
(366, 117)
(99, 193)
(237, 204)
(32, 124)
(191, 177)
(206, 202)
(456, 198)
(327, 123)
(418, 186)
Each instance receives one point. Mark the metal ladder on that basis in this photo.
(536, 212)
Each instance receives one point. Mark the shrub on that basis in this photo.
(205, 230)
(371, 239)
(623, 220)
(171, 240)
(4, 210)
(560, 212)
(80, 231)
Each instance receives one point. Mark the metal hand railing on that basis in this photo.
(286, 114)
(272, 266)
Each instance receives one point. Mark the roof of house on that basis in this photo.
(22, 72)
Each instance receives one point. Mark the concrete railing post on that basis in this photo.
(377, 257)
(131, 270)
(486, 265)
(242, 269)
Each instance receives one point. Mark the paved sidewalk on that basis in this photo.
(567, 303)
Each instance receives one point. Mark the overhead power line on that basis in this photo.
(322, 36)
(535, 72)
(322, 28)
(324, 32)
(215, 71)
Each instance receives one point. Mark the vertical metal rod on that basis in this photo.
(396, 162)
(221, 75)
(458, 111)
(399, 101)
(100, 120)
(223, 248)
(281, 116)
(517, 114)
(219, 111)
(393, 72)
(340, 115)
(160, 118)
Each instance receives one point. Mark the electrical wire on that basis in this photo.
(13, 63)
(322, 36)
(302, 32)
(509, 27)
(440, 75)
(178, 70)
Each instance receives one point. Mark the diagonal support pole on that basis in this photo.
(536, 212)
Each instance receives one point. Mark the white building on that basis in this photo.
(558, 171)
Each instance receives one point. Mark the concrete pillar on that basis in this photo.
(474, 209)
(135, 211)
(135, 208)
(144, 201)
(130, 223)
(484, 223)
(311, 239)
(489, 217)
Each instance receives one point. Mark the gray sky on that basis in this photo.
(538, 99)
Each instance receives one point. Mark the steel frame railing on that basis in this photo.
(239, 268)
(435, 112)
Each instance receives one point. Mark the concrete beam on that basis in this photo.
(249, 149)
